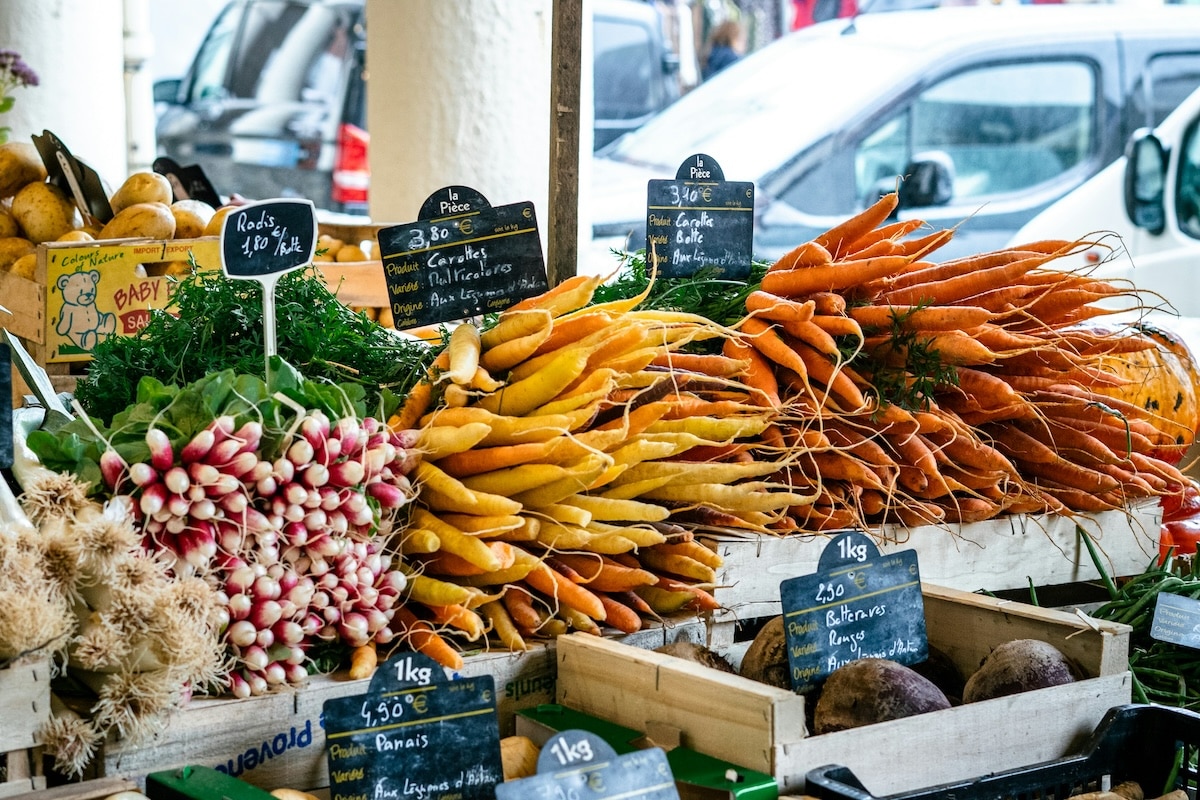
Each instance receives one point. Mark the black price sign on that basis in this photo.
(6, 425)
(269, 237)
(415, 734)
(580, 765)
(1176, 620)
(461, 258)
(74, 177)
(700, 220)
(857, 605)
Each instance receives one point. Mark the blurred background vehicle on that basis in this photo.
(1144, 210)
(995, 112)
(274, 102)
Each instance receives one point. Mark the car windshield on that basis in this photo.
(754, 115)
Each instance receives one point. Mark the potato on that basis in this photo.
(8, 224)
(13, 248)
(191, 218)
(77, 235)
(871, 690)
(141, 187)
(44, 212)
(20, 165)
(350, 252)
(141, 220)
(1019, 665)
(328, 248)
(24, 267)
(213, 228)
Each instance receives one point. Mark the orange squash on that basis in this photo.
(1164, 380)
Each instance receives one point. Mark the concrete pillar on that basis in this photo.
(458, 94)
(76, 48)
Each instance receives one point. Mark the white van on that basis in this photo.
(1145, 208)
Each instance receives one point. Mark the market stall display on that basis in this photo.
(545, 469)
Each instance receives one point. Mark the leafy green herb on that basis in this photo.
(216, 325)
(183, 411)
(907, 370)
(719, 299)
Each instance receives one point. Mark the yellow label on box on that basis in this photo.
(94, 291)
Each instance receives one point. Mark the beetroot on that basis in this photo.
(1019, 665)
(871, 690)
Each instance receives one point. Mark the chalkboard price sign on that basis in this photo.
(858, 605)
(414, 734)
(579, 764)
(269, 237)
(1176, 620)
(700, 220)
(461, 258)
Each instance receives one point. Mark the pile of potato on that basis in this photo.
(34, 211)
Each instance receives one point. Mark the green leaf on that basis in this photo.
(7, 103)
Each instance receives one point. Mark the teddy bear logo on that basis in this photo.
(80, 320)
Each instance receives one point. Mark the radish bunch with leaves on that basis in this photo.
(280, 495)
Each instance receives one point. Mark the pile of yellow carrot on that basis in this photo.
(1006, 416)
(555, 447)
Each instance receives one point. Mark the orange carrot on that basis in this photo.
(519, 604)
(605, 574)
(772, 306)
(759, 376)
(713, 365)
(832, 277)
(923, 318)
(424, 639)
(554, 584)
(829, 303)
(486, 459)
(809, 254)
(959, 287)
(836, 380)
(619, 615)
(569, 291)
(838, 325)
(460, 617)
(845, 234)
(568, 331)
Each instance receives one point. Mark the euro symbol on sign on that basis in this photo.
(527, 213)
(860, 580)
(418, 703)
(706, 193)
(465, 227)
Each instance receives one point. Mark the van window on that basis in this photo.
(276, 52)
(1166, 82)
(1001, 128)
(1187, 188)
(624, 62)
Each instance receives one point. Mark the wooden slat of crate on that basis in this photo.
(1004, 553)
(24, 702)
(277, 740)
(23, 772)
(83, 790)
(762, 727)
(359, 283)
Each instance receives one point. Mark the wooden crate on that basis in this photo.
(57, 313)
(763, 728)
(999, 554)
(24, 707)
(277, 740)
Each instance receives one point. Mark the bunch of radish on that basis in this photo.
(286, 526)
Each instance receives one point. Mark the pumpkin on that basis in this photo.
(1163, 379)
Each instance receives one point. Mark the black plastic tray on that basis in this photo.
(1133, 742)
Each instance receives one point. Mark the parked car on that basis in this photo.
(274, 104)
(999, 111)
(1144, 210)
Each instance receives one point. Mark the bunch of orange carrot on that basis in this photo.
(926, 392)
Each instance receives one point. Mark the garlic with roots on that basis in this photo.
(141, 637)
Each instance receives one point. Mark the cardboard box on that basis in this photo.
(278, 740)
(998, 554)
(24, 707)
(763, 728)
